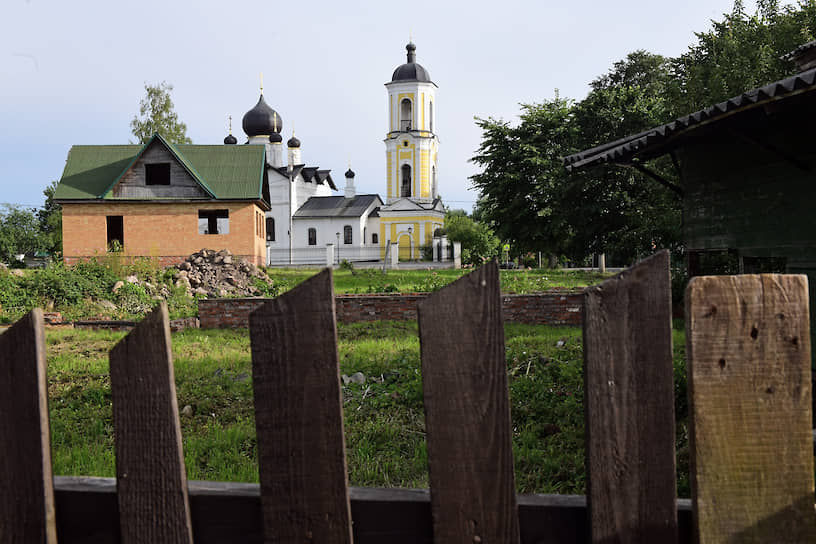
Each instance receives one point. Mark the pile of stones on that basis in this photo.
(219, 274)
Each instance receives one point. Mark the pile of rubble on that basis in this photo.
(218, 274)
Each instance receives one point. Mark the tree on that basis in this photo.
(156, 115)
(19, 232)
(478, 241)
(522, 178)
(50, 221)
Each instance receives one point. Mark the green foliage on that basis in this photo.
(133, 299)
(530, 200)
(19, 233)
(156, 115)
(50, 220)
(479, 244)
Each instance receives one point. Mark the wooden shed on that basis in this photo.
(746, 172)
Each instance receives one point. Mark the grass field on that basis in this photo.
(384, 421)
(372, 280)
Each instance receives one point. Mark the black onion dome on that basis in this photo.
(411, 70)
(293, 142)
(349, 173)
(262, 120)
(275, 138)
(230, 140)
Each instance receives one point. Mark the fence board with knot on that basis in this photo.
(749, 394)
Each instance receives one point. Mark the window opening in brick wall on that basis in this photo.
(312, 237)
(375, 239)
(213, 221)
(347, 235)
(115, 232)
(157, 174)
(270, 229)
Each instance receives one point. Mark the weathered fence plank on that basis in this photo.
(748, 351)
(299, 416)
(151, 480)
(26, 483)
(629, 406)
(467, 411)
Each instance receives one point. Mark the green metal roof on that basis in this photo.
(226, 171)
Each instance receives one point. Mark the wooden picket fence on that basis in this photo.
(748, 351)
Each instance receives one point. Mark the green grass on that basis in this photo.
(372, 280)
(384, 419)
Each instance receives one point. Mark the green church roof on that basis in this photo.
(228, 172)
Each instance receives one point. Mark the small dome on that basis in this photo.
(411, 70)
(349, 173)
(275, 138)
(262, 120)
(230, 140)
(293, 142)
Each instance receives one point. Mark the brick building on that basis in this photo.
(163, 200)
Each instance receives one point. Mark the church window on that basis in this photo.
(213, 221)
(430, 111)
(270, 229)
(312, 237)
(347, 234)
(406, 114)
(375, 239)
(157, 174)
(433, 182)
(405, 189)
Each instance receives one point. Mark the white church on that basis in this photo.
(354, 227)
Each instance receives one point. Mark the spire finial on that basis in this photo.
(261, 82)
(293, 129)
(230, 124)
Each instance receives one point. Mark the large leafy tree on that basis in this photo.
(522, 179)
(19, 232)
(50, 221)
(156, 114)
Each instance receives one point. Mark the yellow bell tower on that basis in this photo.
(413, 210)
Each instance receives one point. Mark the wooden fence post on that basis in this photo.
(299, 416)
(748, 351)
(467, 412)
(629, 406)
(151, 483)
(26, 482)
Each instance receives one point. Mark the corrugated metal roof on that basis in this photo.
(227, 171)
(336, 206)
(623, 150)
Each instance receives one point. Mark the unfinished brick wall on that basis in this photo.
(559, 307)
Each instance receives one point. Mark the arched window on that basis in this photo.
(347, 234)
(405, 114)
(433, 182)
(375, 239)
(312, 237)
(405, 189)
(430, 108)
(270, 229)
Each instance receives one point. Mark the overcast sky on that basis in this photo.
(74, 72)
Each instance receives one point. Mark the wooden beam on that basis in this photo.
(629, 406)
(770, 148)
(26, 484)
(299, 416)
(657, 177)
(467, 411)
(151, 479)
(748, 350)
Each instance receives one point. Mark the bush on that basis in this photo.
(133, 299)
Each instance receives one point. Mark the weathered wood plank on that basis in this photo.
(629, 406)
(299, 416)
(748, 351)
(467, 411)
(225, 512)
(151, 480)
(26, 483)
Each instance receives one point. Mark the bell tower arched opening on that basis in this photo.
(405, 182)
(406, 114)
